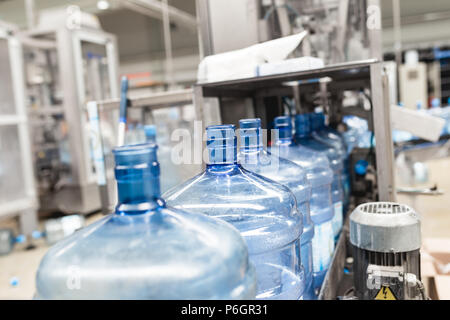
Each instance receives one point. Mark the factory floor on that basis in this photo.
(21, 264)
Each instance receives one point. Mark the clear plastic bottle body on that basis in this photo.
(254, 158)
(336, 158)
(146, 250)
(320, 177)
(264, 212)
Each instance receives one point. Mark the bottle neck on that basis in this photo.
(222, 156)
(251, 149)
(137, 178)
(250, 143)
(221, 145)
(251, 155)
(302, 126)
(138, 191)
(283, 135)
(222, 168)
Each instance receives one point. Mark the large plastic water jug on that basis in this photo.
(320, 177)
(335, 139)
(326, 134)
(303, 137)
(264, 211)
(146, 250)
(253, 157)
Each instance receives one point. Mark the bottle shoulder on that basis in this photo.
(317, 165)
(278, 169)
(331, 140)
(165, 245)
(238, 193)
(231, 184)
(301, 155)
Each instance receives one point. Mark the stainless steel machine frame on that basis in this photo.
(249, 27)
(248, 94)
(81, 195)
(24, 208)
(152, 101)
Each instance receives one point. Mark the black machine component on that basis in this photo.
(385, 238)
(363, 175)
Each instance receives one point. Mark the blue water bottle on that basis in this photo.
(334, 139)
(146, 250)
(320, 177)
(253, 157)
(303, 137)
(264, 211)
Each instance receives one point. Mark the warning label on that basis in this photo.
(385, 293)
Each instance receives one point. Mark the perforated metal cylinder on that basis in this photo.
(386, 242)
(385, 227)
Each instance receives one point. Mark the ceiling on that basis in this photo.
(414, 7)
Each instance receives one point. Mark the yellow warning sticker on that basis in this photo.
(385, 293)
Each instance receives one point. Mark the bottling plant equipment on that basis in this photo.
(68, 60)
(17, 188)
(263, 97)
(386, 244)
(143, 110)
(338, 30)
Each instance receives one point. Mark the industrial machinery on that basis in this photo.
(69, 60)
(345, 34)
(413, 82)
(17, 188)
(339, 30)
(386, 244)
(269, 96)
(174, 117)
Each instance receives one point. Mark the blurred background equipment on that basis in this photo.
(66, 66)
(413, 81)
(17, 188)
(59, 228)
(54, 230)
(167, 118)
(337, 30)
